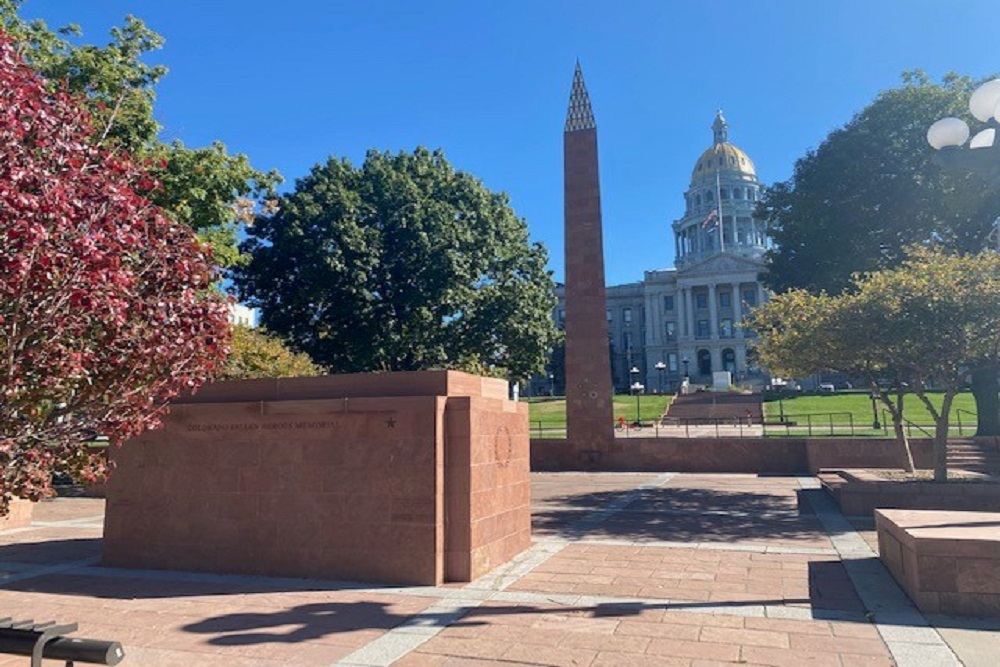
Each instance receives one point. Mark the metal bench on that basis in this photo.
(47, 640)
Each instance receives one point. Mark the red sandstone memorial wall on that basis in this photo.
(734, 455)
(396, 477)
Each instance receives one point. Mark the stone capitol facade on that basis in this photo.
(686, 318)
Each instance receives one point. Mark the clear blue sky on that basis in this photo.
(290, 83)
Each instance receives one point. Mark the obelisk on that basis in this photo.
(588, 367)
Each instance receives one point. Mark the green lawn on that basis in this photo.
(860, 406)
(551, 412)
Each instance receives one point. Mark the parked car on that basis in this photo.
(826, 388)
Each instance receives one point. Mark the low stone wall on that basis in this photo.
(733, 455)
(414, 478)
(20, 514)
(947, 562)
(860, 493)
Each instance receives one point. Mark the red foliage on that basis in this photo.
(106, 305)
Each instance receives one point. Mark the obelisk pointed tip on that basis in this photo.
(579, 116)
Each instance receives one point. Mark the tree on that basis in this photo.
(921, 325)
(870, 190)
(256, 354)
(107, 308)
(205, 188)
(401, 264)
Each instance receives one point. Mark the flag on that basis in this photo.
(710, 219)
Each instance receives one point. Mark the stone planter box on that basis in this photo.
(861, 492)
(947, 562)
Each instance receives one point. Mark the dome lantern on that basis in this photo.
(720, 128)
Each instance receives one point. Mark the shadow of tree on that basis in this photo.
(678, 514)
(314, 621)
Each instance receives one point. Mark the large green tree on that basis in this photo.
(205, 188)
(402, 263)
(871, 189)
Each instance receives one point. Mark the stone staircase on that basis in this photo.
(980, 455)
(710, 407)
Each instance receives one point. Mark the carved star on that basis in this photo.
(390, 422)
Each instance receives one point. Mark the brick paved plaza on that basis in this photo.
(625, 569)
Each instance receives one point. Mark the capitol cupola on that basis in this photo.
(719, 204)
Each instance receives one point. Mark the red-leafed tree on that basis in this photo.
(107, 308)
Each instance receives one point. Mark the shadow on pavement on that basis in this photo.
(680, 514)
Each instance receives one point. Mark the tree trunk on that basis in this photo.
(941, 438)
(940, 456)
(986, 390)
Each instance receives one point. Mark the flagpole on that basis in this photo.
(718, 199)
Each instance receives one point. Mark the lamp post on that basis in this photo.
(982, 157)
(781, 403)
(660, 366)
(635, 387)
(552, 384)
(875, 423)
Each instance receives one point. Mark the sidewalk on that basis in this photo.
(626, 569)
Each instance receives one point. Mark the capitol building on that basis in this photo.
(685, 320)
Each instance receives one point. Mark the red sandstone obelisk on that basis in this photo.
(588, 367)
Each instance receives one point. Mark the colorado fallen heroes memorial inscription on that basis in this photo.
(326, 478)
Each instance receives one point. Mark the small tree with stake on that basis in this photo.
(107, 308)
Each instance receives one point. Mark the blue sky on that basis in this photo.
(488, 81)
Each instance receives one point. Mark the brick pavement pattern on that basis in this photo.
(626, 569)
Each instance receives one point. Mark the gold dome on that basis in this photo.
(723, 157)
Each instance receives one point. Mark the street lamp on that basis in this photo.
(948, 135)
(685, 361)
(552, 384)
(875, 423)
(660, 366)
(637, 388)
(982, 158)
(636, 385)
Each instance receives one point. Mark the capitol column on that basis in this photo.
(737, 312)
(679, 311)
(713, 312)
(688, 311)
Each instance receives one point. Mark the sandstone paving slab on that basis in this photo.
(723, 509)
(496, 633)
(621, 597)
(695, 575)
(68, 509)
(165, 622)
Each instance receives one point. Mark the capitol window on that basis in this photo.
(724, 193)
(668, 302)
(726, 328)
(708, 196)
